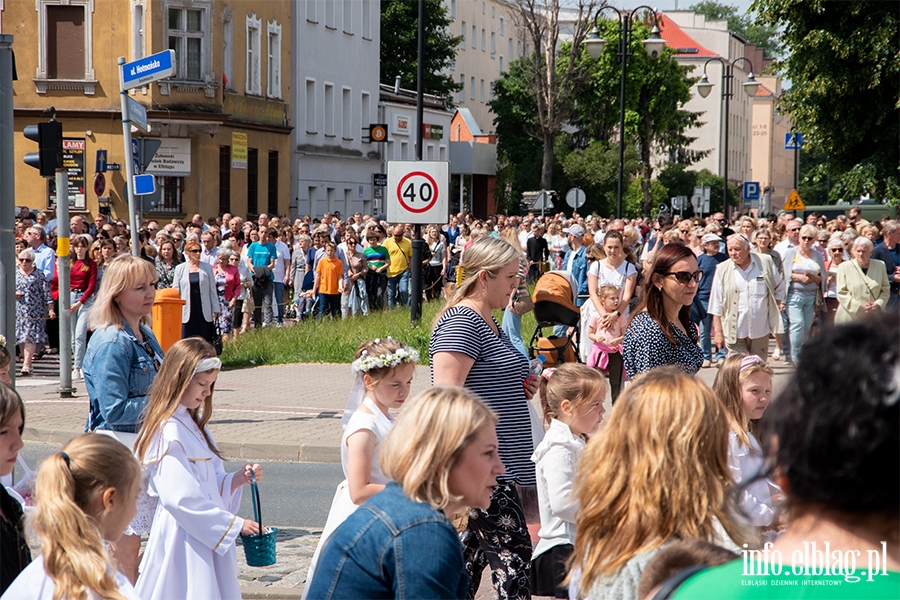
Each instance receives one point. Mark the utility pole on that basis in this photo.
(415, 282)
(7, 200)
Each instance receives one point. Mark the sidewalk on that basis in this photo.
(281, 412)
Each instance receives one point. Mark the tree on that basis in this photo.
(400, 48)
(844, 67)
(763, 36)
(595, 170)
(553, 73)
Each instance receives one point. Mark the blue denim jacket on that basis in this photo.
(579, 271)
(391, 547)
(118, 373)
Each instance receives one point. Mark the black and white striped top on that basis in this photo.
(498, 378)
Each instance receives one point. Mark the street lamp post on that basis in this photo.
(705, 87)
(654, 46)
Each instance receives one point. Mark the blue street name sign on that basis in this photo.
(147, 69)
(138, 114)
(793, 141)
(751, 190)
(144, 184)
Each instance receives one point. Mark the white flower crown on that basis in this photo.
(2, 341)
(367, 362)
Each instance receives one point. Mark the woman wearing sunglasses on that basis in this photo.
(804, 271)
(661, 333)
(33, 300)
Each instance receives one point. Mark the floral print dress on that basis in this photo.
(226, 325)
(31, 307)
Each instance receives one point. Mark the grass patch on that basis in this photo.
(336, 341)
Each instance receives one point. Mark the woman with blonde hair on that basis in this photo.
(14, 552)
(85, 495)
(441, 457)
(657, 472)
(120, 365)
(469, 349)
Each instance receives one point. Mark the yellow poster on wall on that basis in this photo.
(238, 150)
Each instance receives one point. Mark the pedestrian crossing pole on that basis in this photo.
(65, 389)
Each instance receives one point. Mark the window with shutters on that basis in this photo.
(254, 56)
(65, 56)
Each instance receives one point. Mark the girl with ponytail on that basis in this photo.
(85, 495)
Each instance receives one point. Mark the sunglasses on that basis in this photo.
(836, 250)
(793, 230)
(25, 260)
(194, 251)
(807, 237)
(685, 277)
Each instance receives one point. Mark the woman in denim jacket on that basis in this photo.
(120, 364)
(442, 457)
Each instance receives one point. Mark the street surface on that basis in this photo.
(286, 417)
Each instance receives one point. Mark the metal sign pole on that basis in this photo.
(7, 200)
(415, 283)
(65, 300)
(129, 163)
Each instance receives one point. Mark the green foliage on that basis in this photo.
(595, 170)
(764, 36)
(678, 180)
(633, 202)
(400, 46)
(844, 67)
(715, 183)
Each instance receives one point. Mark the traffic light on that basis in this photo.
(49, 155)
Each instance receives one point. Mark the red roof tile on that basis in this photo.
(764, 92)
(683, 44)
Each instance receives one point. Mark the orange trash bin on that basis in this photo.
(167, 317)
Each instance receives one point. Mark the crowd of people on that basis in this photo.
(441, 486)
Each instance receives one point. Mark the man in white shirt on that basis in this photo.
(210, 252)
(793, 237)
(280, 272)
(746, 298)
(44, 257)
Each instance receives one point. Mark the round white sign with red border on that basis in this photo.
(417, 191)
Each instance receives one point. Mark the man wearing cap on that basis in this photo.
(575, 261)
(746, 300)
(707, 262)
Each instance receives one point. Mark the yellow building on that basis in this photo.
(223, 119)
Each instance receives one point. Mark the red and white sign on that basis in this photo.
(417, 191)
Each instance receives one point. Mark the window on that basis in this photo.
(185, 33)
(311, 11)
(462, 88)
(493, 44)
(273, 62)
(509, 50)
(502, 26)
(170, 191)
(348, 16)
(452, 9)
(224, 179)
(493, 11)
(481, 95)
(453, 62)
(312, 193)
(254, 57)
(329, 14)
(310, 106)
(228, 54)
(65, 47)
(501, 63)
(365, 120)
(346, 114)
(483, 40)
(491, 91)
(474, 38)
(367, 19)
(329, 110)
(472, 89)
(252, 181)
(137, 31)
(462, 42)
(484, 8)
(273, 183)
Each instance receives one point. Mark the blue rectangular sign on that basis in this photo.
(137, 114)
(793, 141)
(147, 69)
(100, 167)
(751, 190)
(144, 184)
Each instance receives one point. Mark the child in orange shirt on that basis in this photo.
(329, 283)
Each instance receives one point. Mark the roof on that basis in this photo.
(684, 45)
(470, 121)
(763, 92)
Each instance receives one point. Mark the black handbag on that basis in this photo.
(216, 341)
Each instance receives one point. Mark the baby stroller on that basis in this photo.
(306, 306)
(554, 304)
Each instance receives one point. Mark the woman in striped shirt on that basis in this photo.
(469, 349)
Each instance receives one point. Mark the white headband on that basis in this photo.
(207, 364)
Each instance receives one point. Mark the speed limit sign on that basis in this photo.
(417, 191)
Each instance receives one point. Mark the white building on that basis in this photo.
(490, 41)
(336, 57)
(695, 41)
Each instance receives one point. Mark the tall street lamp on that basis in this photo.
(705, 87)
(654, 46)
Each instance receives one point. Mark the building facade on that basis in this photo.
(336, 50)
(491, 40)
(772, 166)
(223, 119)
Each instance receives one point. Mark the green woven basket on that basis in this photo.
(260, 548)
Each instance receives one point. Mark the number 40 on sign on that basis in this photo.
(417, 191)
